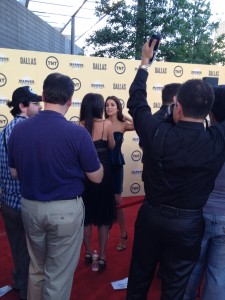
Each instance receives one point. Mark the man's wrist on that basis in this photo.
(144, 67)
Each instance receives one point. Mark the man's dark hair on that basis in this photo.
(15, 107)
(58, 88)
(196, 97)
(168, 92)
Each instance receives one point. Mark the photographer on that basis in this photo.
(169, 93)
(182, 160)
(211, 262)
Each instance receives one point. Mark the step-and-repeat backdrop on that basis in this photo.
(97, 75)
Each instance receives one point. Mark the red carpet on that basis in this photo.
(89, 285)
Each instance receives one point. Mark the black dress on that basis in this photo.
(99, 198)
(117, 162)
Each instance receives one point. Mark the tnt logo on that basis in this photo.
(3, 80)
(52, 62)
(136, 155)
(3, 121)
(178, 71)
(120, 68)
(75, 120)
(135, 188)
(77, 84)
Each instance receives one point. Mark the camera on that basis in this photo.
(170, 109)
(169, 113)
(155, 36)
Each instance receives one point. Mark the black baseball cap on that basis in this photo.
(24, 94)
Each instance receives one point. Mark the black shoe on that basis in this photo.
(101, 264)
(15, 289)
(88, 258)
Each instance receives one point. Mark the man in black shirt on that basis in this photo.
(182, 160)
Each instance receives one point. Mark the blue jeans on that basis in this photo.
(211, 262)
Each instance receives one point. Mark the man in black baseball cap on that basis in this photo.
(25, 103)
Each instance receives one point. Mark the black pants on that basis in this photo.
(17, 240)
(170, 236)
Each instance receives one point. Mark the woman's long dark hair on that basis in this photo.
(119, 107)
(92, 107)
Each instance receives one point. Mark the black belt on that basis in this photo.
(76, 197)
(178, 211)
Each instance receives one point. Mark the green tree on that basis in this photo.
(116, 38)
(218, 50)
(188, 35)
(184, 24)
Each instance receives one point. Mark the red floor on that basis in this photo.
(89, 285)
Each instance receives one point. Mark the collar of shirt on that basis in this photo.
(191, 125)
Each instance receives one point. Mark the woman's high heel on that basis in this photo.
(122, 245)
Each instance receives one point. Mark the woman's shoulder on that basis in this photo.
(108, 123)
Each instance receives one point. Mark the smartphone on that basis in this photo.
(155, 36)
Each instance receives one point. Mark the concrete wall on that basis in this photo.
(21, 29)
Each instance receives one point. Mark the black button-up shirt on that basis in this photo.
(161, 113)
(181, 161)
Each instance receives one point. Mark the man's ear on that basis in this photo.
(212, 118)
(178, 112)
(42, 97)
(178, 106)
(22, 108)
(69, 102)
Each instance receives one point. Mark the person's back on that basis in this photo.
(51, 157)
(99, 199)
(53, 149)
(182, 160)
(211, 262)
(186, 146)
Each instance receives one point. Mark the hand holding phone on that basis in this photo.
(155, 36)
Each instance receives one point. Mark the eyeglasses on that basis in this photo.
(36, 103)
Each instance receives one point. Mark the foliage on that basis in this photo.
(116, 38)
(185, 26)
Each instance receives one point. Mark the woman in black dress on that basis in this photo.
(99, 199)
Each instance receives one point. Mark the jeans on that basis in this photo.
(211, 262)
(172, 239)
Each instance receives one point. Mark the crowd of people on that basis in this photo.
(59, 179)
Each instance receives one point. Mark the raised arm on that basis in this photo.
(129, 124)
(137, 103)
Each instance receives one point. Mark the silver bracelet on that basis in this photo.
(144, 67)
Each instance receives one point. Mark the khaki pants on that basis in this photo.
(54, 232)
